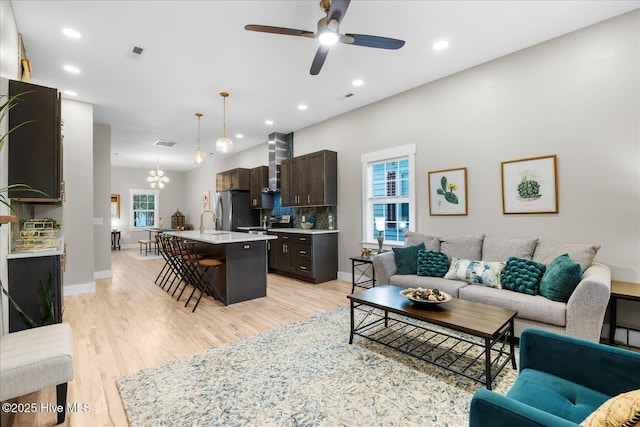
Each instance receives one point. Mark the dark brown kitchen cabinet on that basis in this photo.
(305, 256)
(259, 177)
(24, 276)
(310, 180)
(35, 148)
(233, 179)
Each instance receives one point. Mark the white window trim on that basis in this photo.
(408, 151)
(156, 193)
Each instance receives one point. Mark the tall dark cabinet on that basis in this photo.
(35, 148)
(24, 276)
(259, 177)
(310, 180)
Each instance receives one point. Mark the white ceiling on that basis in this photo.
(193, 50)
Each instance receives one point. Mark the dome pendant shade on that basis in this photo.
(200, 157)
(223, 144)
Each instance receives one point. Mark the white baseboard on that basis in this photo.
(104, 274)
(344, 276)
(81, 288)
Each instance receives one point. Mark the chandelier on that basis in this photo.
(157, 177)
(200, 157)
(224, 144)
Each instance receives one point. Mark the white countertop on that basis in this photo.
(302, 230)
(33, 254)
(218, 237)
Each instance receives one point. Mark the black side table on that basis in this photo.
(620, 290)
(362, 272)
(115, 240)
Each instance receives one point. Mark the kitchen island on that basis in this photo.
(243, 276)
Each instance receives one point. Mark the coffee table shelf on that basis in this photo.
(391, 320)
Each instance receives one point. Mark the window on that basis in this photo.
(388, 177)
(143, 211)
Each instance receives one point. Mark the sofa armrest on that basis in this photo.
(491, 409)
(385, 266)
(609, 370)
(588, 303)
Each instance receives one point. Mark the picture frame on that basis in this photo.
(448, 192)
(530, 185)
(115, 206)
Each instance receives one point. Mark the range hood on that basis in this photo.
(277, 153)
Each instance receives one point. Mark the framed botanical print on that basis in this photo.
(448, 192)
(530, 185)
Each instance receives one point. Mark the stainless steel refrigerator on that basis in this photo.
(233, 210)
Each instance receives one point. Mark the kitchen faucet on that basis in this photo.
(202, 217)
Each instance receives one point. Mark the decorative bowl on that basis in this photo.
(307, 225)
(425, 296)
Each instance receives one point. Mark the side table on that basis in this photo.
(115, 239)
(363, 273)
(620, 290)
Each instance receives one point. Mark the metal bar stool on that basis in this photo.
(202, 271)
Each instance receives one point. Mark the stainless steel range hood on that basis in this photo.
(277, 153)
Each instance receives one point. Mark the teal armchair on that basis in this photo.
(561, 381)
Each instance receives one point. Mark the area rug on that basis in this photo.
(141, 257)
(301, 374)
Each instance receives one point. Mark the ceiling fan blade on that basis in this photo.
(280, 30)
(337, 10)
(372, 41)
(318, 60)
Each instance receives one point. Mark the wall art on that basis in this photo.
(448, 192)
(530, 185)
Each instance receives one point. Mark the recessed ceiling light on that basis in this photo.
(72, 69)
(239, 135)
(357, 82)
(70, 93)
(71, 33)
(440, 45)
(268, 122)
(302, 107)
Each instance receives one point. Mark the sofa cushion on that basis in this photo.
(407, 257)
(522, 275)
(621, 410)
(431, 243)
(536, 308)
(480, 272)
(581, 253)
(501, 248)
(452, 287)
(463, 247)
(555, 395)
(560, 279)
(432, 263)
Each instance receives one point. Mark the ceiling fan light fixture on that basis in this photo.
(328, 37)
(223, 144)
(200, 157)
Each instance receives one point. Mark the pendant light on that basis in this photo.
(224, 144)
(157, 177)
(200, 157)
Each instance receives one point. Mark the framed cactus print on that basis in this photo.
(448, 192)
(530, 186)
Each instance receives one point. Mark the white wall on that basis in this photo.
(102, 200)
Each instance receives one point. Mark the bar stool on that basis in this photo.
(202, 270)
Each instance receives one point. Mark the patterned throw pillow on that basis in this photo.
(407, 258)
(432, 263)
(522, 275)
(560, 279)
(622, 410)
(479, 272)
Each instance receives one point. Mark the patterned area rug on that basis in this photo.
(301, 374)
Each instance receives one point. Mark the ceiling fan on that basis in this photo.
(329, 33)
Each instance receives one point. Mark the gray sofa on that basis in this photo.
(581, 316)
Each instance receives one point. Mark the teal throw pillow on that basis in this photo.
(560, 279)
(522, 275)
(432, 263)
(407, 258)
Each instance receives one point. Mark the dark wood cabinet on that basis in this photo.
(309, 257)
(24, 280)
(233, 179)
(35, 149)
(259, 178)
(310, 180)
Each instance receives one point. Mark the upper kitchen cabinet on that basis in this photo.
(259, 177)
(35, 149)
(234, 179)
(310, 180)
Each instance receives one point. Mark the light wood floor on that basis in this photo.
(130, 324)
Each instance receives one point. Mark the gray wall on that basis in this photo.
(101, 200)
(172, 198)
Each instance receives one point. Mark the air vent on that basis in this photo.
(349, 95)
(137, 50)
(164, 143)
